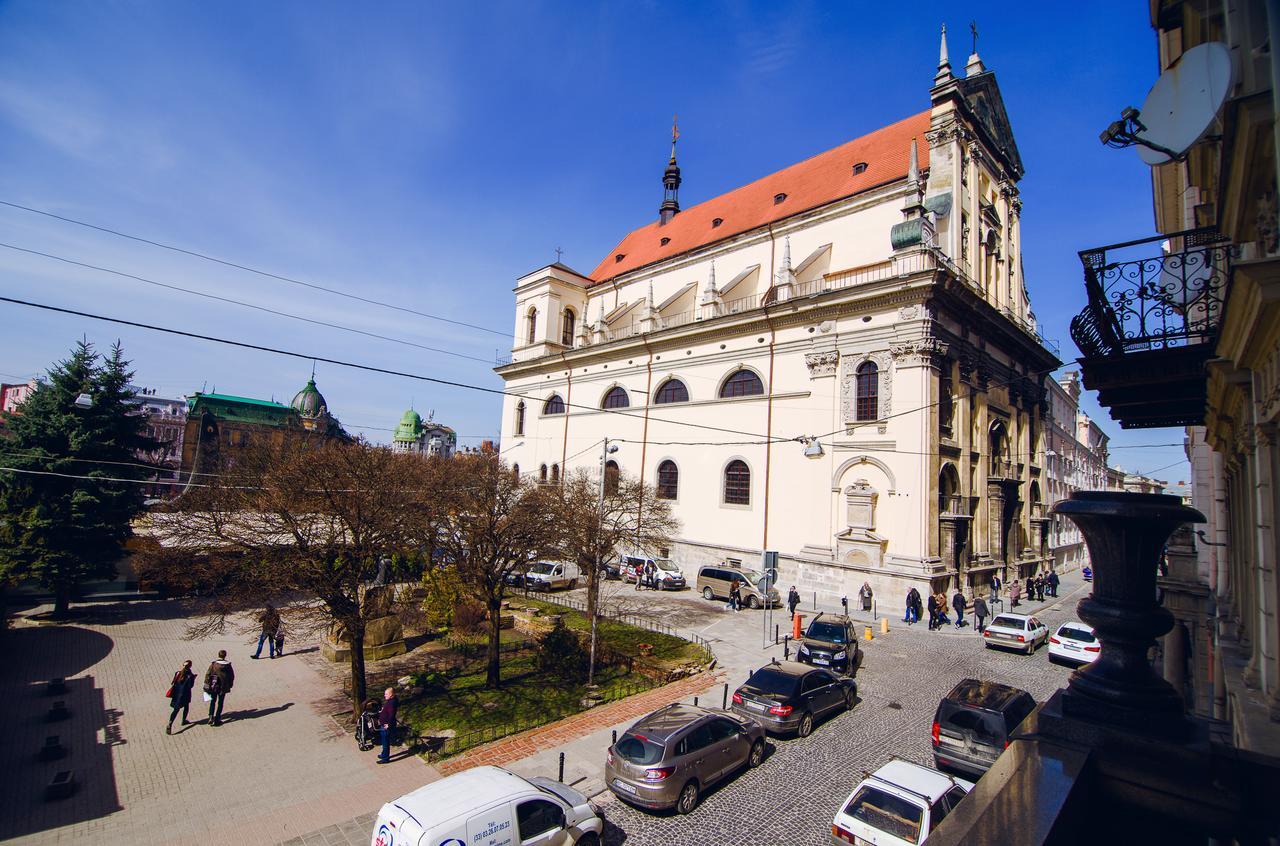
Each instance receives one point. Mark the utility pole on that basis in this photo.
(594, 578)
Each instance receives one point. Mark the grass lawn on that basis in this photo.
(668, 651)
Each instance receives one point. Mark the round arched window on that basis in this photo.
(672, 390)
(553, 405)
(742, 383)
(668, 480)
(616, 398)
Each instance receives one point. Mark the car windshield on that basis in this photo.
(750, 575)
(639, 749)
(1073, 633)
(668, 566)
(771, 683)
(886, 812)
(1009, 623)
(830, 632)
(541, 568)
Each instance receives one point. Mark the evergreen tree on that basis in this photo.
(55, 529)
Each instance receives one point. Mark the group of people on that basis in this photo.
(1037, 587)
(647, 576)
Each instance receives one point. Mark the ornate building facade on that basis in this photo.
(1075, 460)
(837, 361)
(424, 437)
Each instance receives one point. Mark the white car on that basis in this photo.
(898, 804)
(547, 575)
(1074, 642)
(1016, 631)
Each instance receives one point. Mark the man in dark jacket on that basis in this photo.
(218, 680)
(933, 612)
(270, 620)
(387, 722)
(958, 603)
(980, 611)
(793, 601)
(1054, 581)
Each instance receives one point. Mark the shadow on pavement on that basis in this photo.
(253, 713)
(34, 656)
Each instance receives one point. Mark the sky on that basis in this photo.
(429, 154)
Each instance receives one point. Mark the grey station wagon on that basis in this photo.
(670, 757)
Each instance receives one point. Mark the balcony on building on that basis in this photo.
(1151, 324)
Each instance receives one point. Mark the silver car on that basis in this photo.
(668, 758)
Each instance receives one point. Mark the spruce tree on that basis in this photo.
(57, 528)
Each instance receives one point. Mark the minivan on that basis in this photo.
(974, 722)
(489, 805)
(714, 582)
(666, 571)
(546, 575)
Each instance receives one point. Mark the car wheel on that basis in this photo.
(849, 696)
(757, 754)
(588, 839)
(753, 602)
(688, 798)
(708, 594)
(806, 726)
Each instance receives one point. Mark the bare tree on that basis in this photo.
(493, 524)
(305, 520)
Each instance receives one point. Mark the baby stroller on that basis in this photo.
(367, 726)
(1087, 574)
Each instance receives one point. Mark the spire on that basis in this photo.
(649, 297)
(785, 274)
(671, 181)
(913, 169)
(974, 65)
(944, 63)
(711, 278)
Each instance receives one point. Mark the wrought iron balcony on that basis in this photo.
(1151, 323)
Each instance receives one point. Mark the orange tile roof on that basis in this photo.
(814, 182)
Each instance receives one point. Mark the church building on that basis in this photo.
(837, 361)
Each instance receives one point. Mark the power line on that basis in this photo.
(233, 301)
(247, 268)
(366, 367)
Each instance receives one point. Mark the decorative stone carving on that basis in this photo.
(858, 545)
(909, 312)
(822, 363)
(925, 351)
(1267, 225)
(848, 384)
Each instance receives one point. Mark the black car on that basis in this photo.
(974, 722)
(789, 697)
(830, 642)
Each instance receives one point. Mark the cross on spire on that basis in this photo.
(973, 28)
(559, 252)
(675, 134)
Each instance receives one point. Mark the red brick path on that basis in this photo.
(518, 746)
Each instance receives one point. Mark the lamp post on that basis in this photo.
(607, 450)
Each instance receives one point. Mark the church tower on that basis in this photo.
(670, 183)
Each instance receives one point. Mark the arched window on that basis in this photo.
(743, 383)
(611, 475)
(515, 471)
(668, 480)
(531, 332)
(672, 390)
(566, 327)
(737, 483)
(555, 474)
(553, 405)
(946, 405)
(949, 491)
(616, 398)
(520, 418)
(868, 391)
(542, 474)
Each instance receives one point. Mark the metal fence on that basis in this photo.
(637, 620)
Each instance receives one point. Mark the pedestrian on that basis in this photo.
(865, 594)
(933, 612)
(649, 574)
(735, 595)
(919, 612)
(270, 620)
(218, 681)
(793, 601)
(1015, 593)
(958, 603)
(180, 694)
(1054, 581)
(909, 606)
(387, 723)
(980, 611)
(1039, 587)
(941, 601)
(995, 587)
(913, 606)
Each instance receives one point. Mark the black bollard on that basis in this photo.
(724, 700)
(786, 648)
(561, 779)
(615, 737)
(777, 629)
(695, 702)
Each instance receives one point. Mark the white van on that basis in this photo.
(666, 572)
(488, 806)
(547, 575)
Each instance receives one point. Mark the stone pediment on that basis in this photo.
(982, 97)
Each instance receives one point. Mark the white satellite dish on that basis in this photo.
(1185, 101)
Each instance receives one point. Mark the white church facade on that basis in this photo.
(837, 361)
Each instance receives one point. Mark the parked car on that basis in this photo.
(714, 582)
(898, 804)
(1015, 631)
(476, 804)
(787, 697)
(830, 642)
(546, 575)
(1074, 643)
(612, 569)
(973, 724)
(668, 758)
(667, 572)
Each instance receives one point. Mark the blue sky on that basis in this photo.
(429, 154)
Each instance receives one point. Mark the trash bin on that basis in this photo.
(797, 626)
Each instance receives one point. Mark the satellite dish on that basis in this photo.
(1185, 101)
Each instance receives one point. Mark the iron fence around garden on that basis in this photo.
(638, 620)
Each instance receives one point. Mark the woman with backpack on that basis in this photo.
(180, 694)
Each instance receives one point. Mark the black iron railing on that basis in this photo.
(1173, 299)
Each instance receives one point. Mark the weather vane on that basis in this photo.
(675, 134)
(973, 27)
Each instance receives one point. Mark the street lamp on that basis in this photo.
(812, 447)
(607, 450)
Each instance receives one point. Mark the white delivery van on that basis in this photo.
(547, 575)
(488, 806)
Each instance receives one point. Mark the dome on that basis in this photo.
(309, 402)
(410, 426)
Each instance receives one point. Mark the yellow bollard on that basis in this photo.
(866, 635)
(884, 625)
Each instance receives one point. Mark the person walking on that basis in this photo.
(980, 612)
(959, 604)
(913, 606)
(1015, 593)
(1054, 581)
(735, 595)
(941, 602)
(908, 607)
(933, 612)
(865, 594)
(793, 601)
(218, 681)
(270, 620)
(387, 722)
(919, 606)
(995, 587)
(180, 694)
(1039, 586)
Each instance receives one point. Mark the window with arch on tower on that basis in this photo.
(542, 474)
(531, 328)
(616, 398)
(668, 480)
(743, 383)
(553, 405)
(737, 483)
(566, 327)
(612, 473)
(672, 390)
(520, 409)
(867, 391)
(555, 474)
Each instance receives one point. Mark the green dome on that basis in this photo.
(410, 427)
(309, 402)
